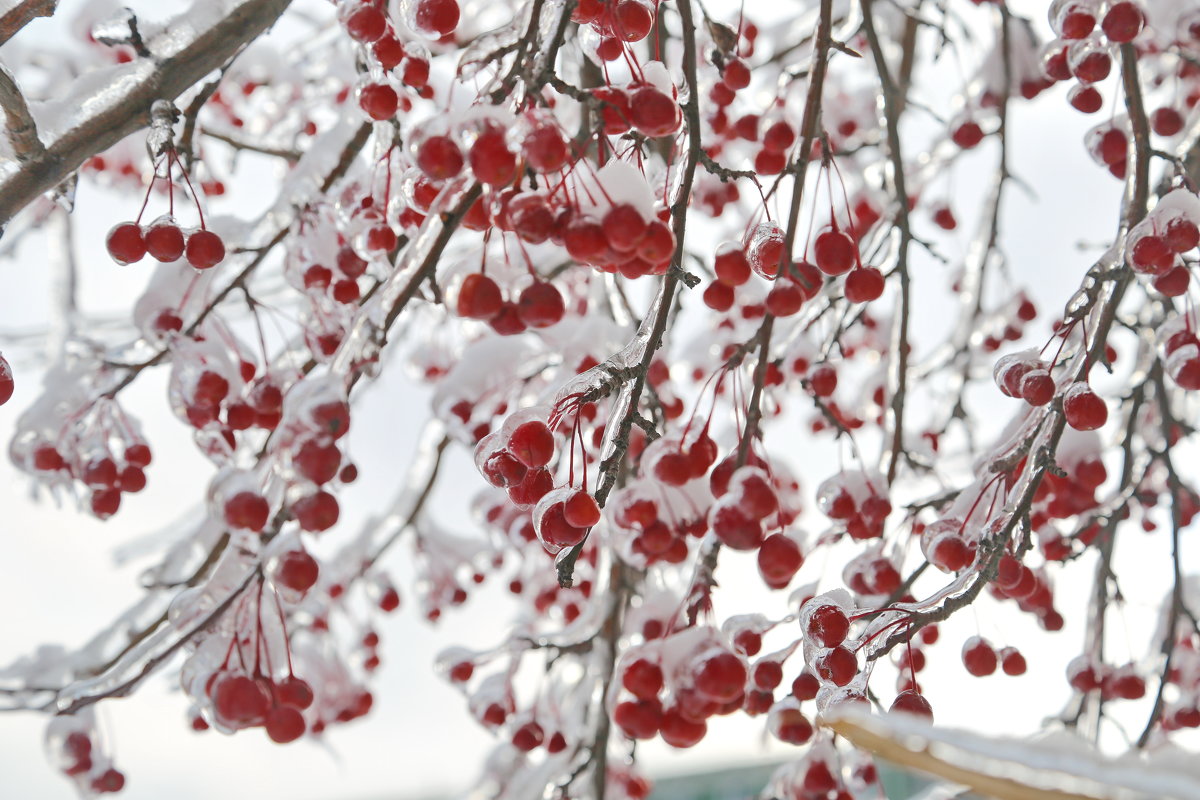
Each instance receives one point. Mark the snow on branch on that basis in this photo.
(105, 107)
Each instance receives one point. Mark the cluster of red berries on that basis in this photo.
(515, 458)
(1082, 51)
(1156, 245)
(539, 305)
(1029, 588)
(80, 759)
(697, 674)
(315, 459)
(1086, 674)
(1072, 491)
(368, 23)
(1026, 376)
(872, 574)
(241, 700)
(981, 659)
(649, 534)
(642, 106)
(106, 474)
(165, 241)
(856, 500)
(617, 21)
(826, 626)
(747, 507)
(1181, 352)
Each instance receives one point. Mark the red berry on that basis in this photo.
(911, 702)
(240, 701)
(247, 510)
(205, 249)
(1174, 282)
(316, 512)
(541, 305)
(378, 100)
(785, 298)
(967, 134)
(1012, 662)
(1152, 255)
(366, 24)
(1123, 22)
(864, 285)
(730, 265)
(834, 252)
(436, 17)
(655, 113)
(829, 625)
(1037, 387)
(581, 510)
(633, 19)
(164, 240)
(838, 666)
(479, 297)
(439, 157)
(1181, 234)
(108, 782)
(737, 74)
(657, 246)
(528, 737)
(284, 724)
(718, 296)
(679, 731)
(491, 160)
(1084, 98)
(823, 380)
(806, 686)
(1076, 22)
(294, 692)
(389, 52)
(779, 137)
(978, 657)
(105, 502)
(779, 559)
(1166, 121)
(643, 678)
(639, 720)
(943, 217)
(624, 227)
(316, 461)
(138, 455)
(125, 243)
(721, 677)
(545, 149)
(1084, 409)
(7, 384)
(532, 443)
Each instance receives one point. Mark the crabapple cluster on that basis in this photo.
(95, 447)
(857, 501)
(163, 239)
(77, 749)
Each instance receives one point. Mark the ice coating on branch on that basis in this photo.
(1057, 761)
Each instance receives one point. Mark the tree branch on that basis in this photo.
(22, 14)
(22, 129)
(104, 123)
